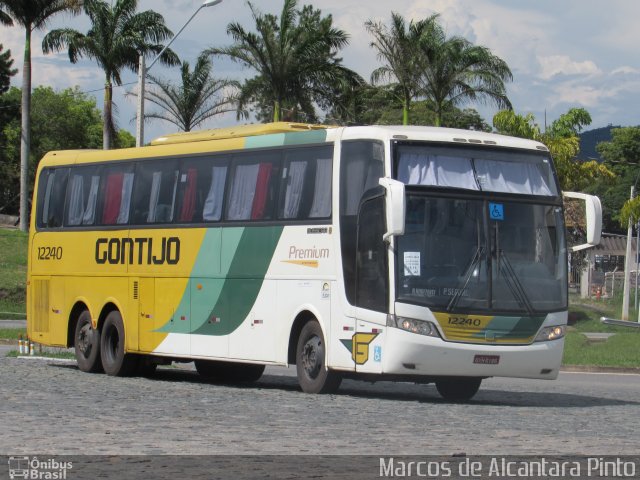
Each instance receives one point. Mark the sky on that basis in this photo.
(563, 53)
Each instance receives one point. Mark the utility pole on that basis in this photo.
(627, 269)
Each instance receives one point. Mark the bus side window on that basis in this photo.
(155, 192)
(201, 189)
(372, 287)
(114, 198)
(54, 183)
(253, 187)
(306, 184)
(82, 196)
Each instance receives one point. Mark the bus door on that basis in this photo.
(372, 286)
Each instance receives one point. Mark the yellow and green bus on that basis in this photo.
(382, 252)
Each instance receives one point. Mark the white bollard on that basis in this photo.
(31, 349)
(20, 347)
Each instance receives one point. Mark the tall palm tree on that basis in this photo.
(397, 47)
(198, 98)
(455, 71)
(295, 57)
(32, 15)
(118, 35)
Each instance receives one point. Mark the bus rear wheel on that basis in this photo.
(458, 389)
(229, 372)
(313, 375)
(86, 343)
(114, 359)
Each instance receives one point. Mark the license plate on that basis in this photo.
(487, 359)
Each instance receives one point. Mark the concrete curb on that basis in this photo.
(594, 369)
(66, 361)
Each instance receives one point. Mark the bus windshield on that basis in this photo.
(480, 255)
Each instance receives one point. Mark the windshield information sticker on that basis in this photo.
(496, 211)
(412, 264)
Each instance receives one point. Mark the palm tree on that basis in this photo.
(198, 98)
(117, 37)
(455, 71)
(32, 15)
(397, 47)
(295, 57)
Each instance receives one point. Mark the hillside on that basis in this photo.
(589, 140)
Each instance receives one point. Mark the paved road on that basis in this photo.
(56, 409)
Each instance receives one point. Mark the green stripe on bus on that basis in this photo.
(512, 327)
(244, 281)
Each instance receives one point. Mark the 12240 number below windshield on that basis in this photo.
(479, 255)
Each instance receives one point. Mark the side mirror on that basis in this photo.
(395, 207)
(593, 213)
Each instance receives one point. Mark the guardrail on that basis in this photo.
(620, 323)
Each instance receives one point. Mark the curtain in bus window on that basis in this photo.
(437, 170)
(112, 198)
(512, 177)
(355, 174)
(189, 196)
(242, 192)
(213, 204)
(76, 193)
(154, 196)
(293, 195)
(127, 188)
(321, 207)
(262, 191)
(90, 212)
(47, 198)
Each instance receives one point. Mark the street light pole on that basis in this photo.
(142, 73)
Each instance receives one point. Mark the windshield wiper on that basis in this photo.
(477, 256)
(512, 281)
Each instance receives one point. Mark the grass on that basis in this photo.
(48, 354)
(13, 272)
(12, 333)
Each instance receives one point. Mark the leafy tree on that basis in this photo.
(6, 72)
(32, 15)
(295, 57)
(397, 47)
(60, 120)
(198, 98)
(622, 155)
(564, 145)
(454, 72)
(118, 35)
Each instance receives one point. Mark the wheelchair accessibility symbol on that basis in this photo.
(496, 211)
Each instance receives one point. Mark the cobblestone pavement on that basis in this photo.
(55, 409)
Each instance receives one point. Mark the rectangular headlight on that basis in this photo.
(551, 333)
(421, 327)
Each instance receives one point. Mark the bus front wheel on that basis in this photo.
(313, 375)
(86, 343)
(458, 389)
(114, 359)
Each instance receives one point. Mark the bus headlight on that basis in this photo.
(551, 333)
(412, 325)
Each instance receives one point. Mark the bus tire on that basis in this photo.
(313, 375)
(460, 389)
(86, 342)
(115, 361)
(229, 372)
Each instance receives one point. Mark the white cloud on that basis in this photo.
(553, 65)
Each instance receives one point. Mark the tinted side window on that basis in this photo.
(306, 188)
(154, 198)
(114, 198)
(253, 186)
(361, 166)
(53, 187)
(201, 190)
(82, 196)
(372, 283)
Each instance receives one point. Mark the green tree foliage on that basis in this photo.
(60, 121)
(562, 140)
(31, 15)
(117, 37)
(621, 155)
(456, 72)
(198, 97)
(6, 72)
(397, 48)
(296, 60)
